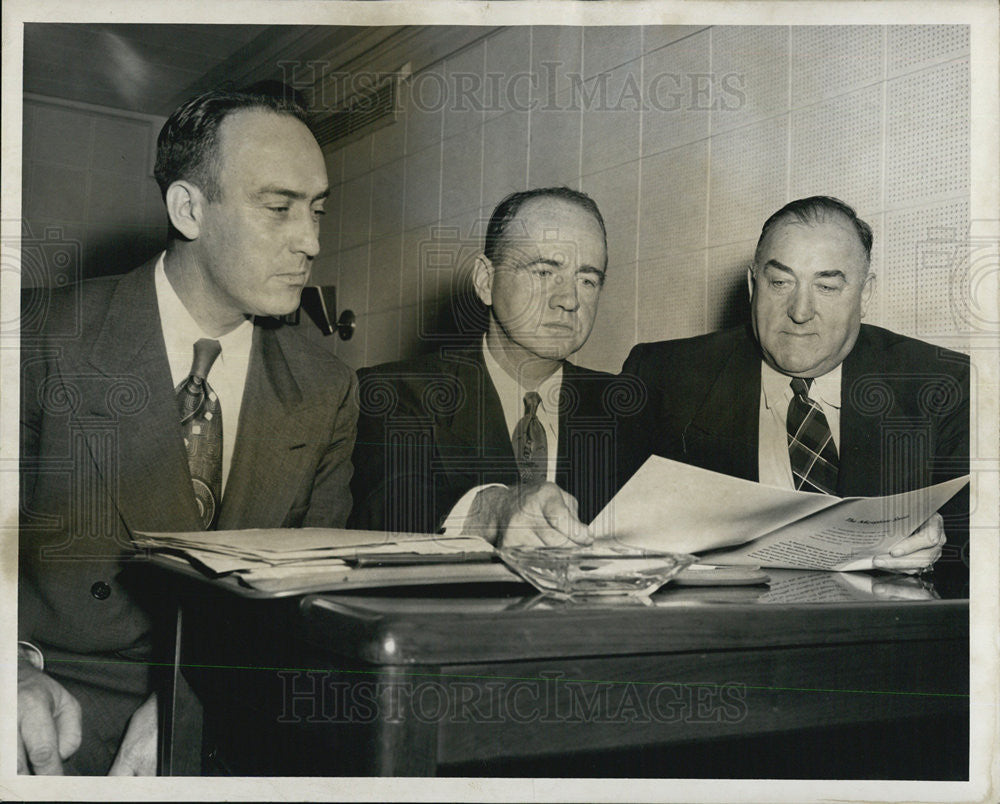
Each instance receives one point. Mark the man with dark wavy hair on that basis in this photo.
(808, 397)
(508, 438)
(182, 405)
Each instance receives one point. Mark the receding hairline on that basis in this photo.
(530, 204)
(249, 112)
(829, 217)
(263, 112)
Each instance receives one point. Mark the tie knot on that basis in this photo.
(205, 352)
(531, 402)
(800, 386)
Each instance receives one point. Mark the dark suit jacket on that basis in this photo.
(904, 418)
(432, 428)
(102, 455)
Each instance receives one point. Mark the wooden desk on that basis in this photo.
(425, 680)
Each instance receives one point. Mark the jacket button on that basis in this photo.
(101, 590)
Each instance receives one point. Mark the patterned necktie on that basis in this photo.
(811, 449)
(530, 444)
(201, 422)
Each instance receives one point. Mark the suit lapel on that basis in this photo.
(722, 432)
(131, 423)
(867, 399)
(270, 453)
(587, 438)
(474, 438)
(569, 397)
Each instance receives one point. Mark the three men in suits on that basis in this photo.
(104, 452)
(510, 414)
(892, 412)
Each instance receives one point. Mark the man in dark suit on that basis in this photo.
(120, 426)
(511, 414)
(892, 412)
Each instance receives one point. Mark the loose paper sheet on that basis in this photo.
(672, 506)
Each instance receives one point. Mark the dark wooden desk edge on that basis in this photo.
(346, 627)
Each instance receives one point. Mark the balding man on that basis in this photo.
(179, 403)
(807, 397)
(511, 411)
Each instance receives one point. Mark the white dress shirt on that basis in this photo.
(774, 466)
(511, 394)
(228, 374)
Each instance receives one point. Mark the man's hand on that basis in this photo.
(537, 515)
(137, 753)
(903, 587)
(917, 551)
(49, 723)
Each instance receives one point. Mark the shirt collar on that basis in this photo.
(507, 387)
(180, 330)
(776, 387)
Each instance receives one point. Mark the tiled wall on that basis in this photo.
(89, 200)
(688, 138)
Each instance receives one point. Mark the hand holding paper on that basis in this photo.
(671, 506)
(917, 551)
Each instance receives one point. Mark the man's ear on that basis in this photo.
(867, 291)
(482, 279)
(185, 204)
(750, 280)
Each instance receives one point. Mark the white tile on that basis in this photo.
(387, 200)
(466, 88)
(913, 47)
(508, 81)
(616, 193)
(753, 59)
(671, 297)
(928, 135)
(554, 155)
(556, 60)
(747, 180)
(672, 76)
(505, 156)
(836, 149)
(673, 209)
(423, 187)
(606, 47)
(385, 274)
(611, 119)
(461, 179)
(829, 60)
(355, 216)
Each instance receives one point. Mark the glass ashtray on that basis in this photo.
(581, 572)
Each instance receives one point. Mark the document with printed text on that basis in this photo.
(675, 507)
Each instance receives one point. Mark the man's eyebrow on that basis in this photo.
(583, 269)
(833, 273)
(590, 269)
(294, 195)
(779, 265)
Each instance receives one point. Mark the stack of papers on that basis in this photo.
(281, 557)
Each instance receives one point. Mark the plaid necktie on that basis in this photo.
(201, 422)
(530, 444)
(811, 449)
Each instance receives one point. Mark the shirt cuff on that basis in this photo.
(455, 521)
(32, 654)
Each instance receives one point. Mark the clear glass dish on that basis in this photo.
(582, 572)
